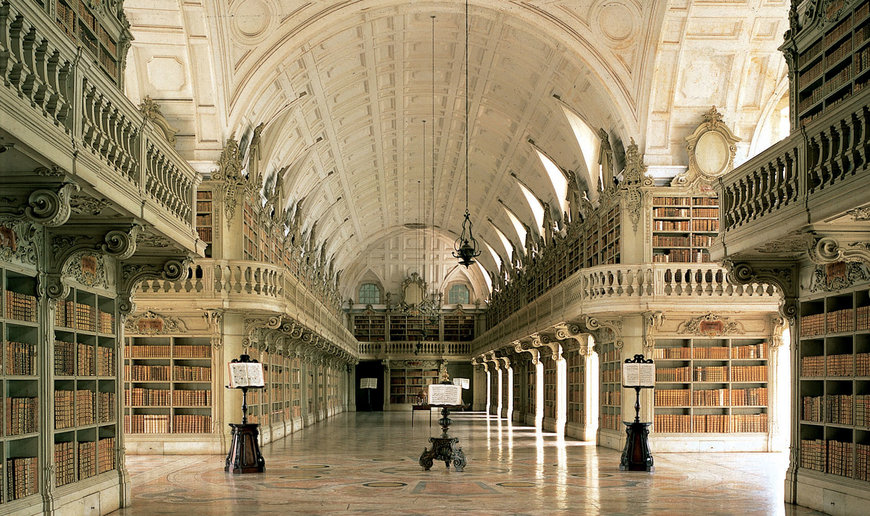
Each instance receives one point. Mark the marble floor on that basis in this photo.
(367, 462)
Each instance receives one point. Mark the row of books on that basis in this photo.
(812, 325)
(22, 415)
(87, 459)
(835, 457)
(862, 410)
(671, 225)
(145, 373)
(176, 351)
(685, 201)
(159, 424)
(611, 421)
(138, 396)
(21, 307)
(106, 406)
(194, 398)
(837, 365)
(22, 477)
(611, 397)
(81, 316)
(74, 408)
(682, 256)
(670, 241)
(711, 397)
(710, 423)
(20, 358)
(840, 320)
(713, 352)
(105, 454)
(711, 374)
(673, 374)
(192, 373)
(68, 363)
(64, 463)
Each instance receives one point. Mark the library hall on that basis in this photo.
(434, 257)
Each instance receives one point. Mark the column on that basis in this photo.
(350, 388)
(234, 345)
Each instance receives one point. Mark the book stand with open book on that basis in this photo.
(446, 448)
(244, 455)
(637, 373)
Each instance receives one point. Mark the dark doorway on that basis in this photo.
(370, 399)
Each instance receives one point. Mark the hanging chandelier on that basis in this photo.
(465, 248)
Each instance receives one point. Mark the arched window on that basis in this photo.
(458, 294)
(369, 294)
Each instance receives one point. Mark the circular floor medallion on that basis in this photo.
(385, 484)
(516, 484)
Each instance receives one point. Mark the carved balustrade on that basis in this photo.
(254, 286)
(369, 350)
(800, 180)
(53, 93)
(624, 289)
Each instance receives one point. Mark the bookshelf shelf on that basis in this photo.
(834, 391)
(683, 227)
(162, 377)
(576, 368)
(611, 386)
(406, 383)
(711, 392)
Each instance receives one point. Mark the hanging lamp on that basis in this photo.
(465, 248)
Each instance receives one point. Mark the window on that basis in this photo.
(458, 294)
(369, 294)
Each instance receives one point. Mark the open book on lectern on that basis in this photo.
(246, 374)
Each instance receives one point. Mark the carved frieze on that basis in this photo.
(87, 205)
(711, 325)
(152, 323)
(633, 178)
(87, 268)
(151, 110)
(838, 275)
(17, 241)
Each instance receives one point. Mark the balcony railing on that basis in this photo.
(255, 286)
(617, 289)
(381, 349)
(802, 179)
(61, 96)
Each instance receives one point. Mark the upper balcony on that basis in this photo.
(812, 180)
(612, 290)
(256, 288)
(64, 116)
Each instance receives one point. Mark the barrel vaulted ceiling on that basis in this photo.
(344, 89)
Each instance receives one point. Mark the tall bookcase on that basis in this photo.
(458, 327)
(77, 21)
(167, 385)
(611, 386)
(85, 380)
(833, 63)
(370, 326)
(205, 219)
(531, 391)
(684, 228)
(295, 387)
(550, 386)
(407, 383)
(576, 365)
(711, 385)
(834, 383)
(19, 446)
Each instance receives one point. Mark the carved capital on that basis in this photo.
(134, 272)
(595, 326)
(545, 340)
(50, 207)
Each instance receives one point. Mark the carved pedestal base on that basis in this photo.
(444, 448)
(245, 456)
(636, 456)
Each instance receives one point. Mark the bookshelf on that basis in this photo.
(611, 386)
(711, 385)
(370, 326)
(167, 385)
(531, 388)
(80, 24)
(520, 373)
(684, 228)
(20, 441)
(833, 62)
(834, 383)
(406, 382)
(550, 386)
(296, 388)
(249, 233)
(205, 219)
(85, 381)
(576, 368)
(458, 327)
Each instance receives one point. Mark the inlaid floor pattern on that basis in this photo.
(367, 462)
